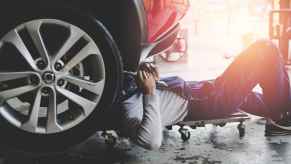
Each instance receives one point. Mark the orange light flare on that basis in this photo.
(220, 29)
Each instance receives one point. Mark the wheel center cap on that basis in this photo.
(48, 77)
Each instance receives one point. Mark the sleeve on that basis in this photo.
(145, 131)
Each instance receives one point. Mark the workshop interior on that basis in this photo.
(64, 66)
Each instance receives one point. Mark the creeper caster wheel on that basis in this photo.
(193, 127)
(169, 127)
(110, 140)
(222, 124)
(241, 129)
(185, 134)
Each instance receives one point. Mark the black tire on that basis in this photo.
(33, 142)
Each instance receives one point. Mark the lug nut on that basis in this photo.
(61, 82)
(35, 80)
(45, 90)
(41, 64)
(58, 66)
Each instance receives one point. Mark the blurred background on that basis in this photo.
(213, 33)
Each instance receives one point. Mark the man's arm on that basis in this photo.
(142, 121)
(149, 134)
(146, 131)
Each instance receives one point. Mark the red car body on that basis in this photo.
(162, 15)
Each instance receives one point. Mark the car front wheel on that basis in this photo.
(58, 70)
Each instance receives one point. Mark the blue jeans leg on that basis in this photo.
(262, 64)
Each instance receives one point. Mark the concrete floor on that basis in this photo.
(209, 145)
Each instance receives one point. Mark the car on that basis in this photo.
(178, 52)
(62, 64)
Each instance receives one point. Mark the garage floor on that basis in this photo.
(209, 145)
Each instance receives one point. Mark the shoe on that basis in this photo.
(280, 128)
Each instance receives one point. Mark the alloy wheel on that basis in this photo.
(49, 90)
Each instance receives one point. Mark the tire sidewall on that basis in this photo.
(26, 141)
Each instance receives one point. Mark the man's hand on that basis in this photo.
(147, 82)
(147, 76)
(150, 68)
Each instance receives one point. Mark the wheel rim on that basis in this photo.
(54, 90)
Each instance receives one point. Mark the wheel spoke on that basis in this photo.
(34, 31)
(8, 94)
(89, 49)
(52, 124)
(14, 38)
(86, 104)
(94, 87)
(75, 35)
(31, 124)
(6, 76)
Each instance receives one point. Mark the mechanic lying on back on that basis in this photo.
(148, 106)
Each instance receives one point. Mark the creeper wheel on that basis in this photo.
(241, 129)
(185, 134)
(110, 140)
